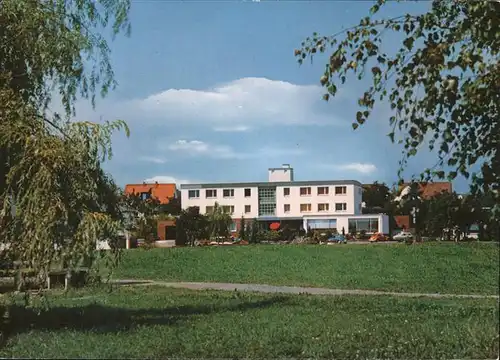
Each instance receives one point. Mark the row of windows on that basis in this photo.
(229, 209)
(321, 190)
(212, 193)
(320, 208)
(304, 191)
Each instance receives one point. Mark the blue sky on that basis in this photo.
(212, 92)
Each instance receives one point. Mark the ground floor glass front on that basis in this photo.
(369, 225)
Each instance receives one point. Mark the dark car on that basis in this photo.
(339, 239)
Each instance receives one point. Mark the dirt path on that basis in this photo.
(290, 289)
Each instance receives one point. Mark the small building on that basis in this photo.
(161, 191)
(430, 189)
(166, 229)
(315, 204)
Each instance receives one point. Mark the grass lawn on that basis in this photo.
(444, 268)
(151, 322)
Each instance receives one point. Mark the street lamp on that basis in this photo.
(410, 195)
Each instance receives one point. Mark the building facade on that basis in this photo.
(325, 204)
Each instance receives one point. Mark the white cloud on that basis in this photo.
(166, 179)
(238, 128)
(200, 148)
(241, 104)
(152, 159)
(197, 148)
(358, 167)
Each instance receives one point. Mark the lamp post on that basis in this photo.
(414, 212)
(409, 195)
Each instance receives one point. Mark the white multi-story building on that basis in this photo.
(324, 204)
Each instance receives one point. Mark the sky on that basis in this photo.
(212, 92)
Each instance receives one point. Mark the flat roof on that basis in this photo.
(269, 184)
(149, 183)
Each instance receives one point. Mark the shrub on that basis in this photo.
(270, 235)
(254, 233)
(315, 237)
(362, 235)
(287, 233)
(242, 233)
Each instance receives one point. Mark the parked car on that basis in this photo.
(403, 236)
(378, 237)
(339, 239)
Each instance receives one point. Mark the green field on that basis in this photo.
(443, 268)
(160, 322)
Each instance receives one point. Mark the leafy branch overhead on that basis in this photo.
(442, 84)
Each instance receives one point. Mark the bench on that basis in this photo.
(73, 278)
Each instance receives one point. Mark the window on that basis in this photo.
(305, 207)
(193, 194)
(248, 209)
(248, 192)
(267, 201)
(228, 209)
(209, 209)
(286, 191)
(323, 207)
(340, 206)
(322, 224)
(340, 190)
(323, 190)
(286, 208)
(370, 225)
(232, 227)
(305, 191)
(210, 193)
(228, 193)
(352, 226)
(145, 195)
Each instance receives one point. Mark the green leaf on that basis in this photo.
(452, 162)
(440, 174)
(332, 89)
(354, 126)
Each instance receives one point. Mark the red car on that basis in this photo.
(378, 237)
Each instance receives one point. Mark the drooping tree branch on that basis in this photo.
(442, 84)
